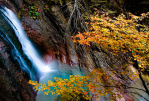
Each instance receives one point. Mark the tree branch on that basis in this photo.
(139, 95)
(135, 64)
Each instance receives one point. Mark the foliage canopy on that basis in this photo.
(118, 36)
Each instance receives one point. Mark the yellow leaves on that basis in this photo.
(146, 78)
(80, 36)
(50, 83)
(46, 93)
(75, 83)
(136, 75)
(87, 77)
(119, 35)
(48, 88)
(78, 85)
(35, 88)
(53, 93)
(33, 83)
(135, 17)
(30, 82)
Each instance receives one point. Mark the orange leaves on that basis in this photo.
(119, 35)
(30, 82)
(46, 93)
(85, 93)
(106, 77)
(80, 36)
(76, 85)
(48, 88)
(73, 84)
(33, 83)
(82, 39)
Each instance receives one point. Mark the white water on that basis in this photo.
(32, 54)
(17, 56)
(63, 70)
(27, 46)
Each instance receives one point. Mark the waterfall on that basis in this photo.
(27, 46)
(59, 69)
(16, 54)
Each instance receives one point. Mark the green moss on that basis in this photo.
(33, 12)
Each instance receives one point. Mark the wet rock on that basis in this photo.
(13, 82)
(51, 35)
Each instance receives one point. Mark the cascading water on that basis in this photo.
(16, 54)
(33, 56)
(28, 49)
(27, 46)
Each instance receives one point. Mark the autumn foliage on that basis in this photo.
(121, 37)
(78, 85)
(117, 36)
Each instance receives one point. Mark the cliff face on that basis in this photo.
(50, 35)
(13, 82)
(50, 27)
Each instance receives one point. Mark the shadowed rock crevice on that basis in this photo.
(13, 82)
(51, 34)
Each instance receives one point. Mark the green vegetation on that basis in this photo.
(33, 12)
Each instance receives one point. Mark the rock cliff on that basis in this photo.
(49, 25)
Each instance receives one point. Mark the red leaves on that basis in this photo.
(85, 93)
(80, 36)
(118, 36)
